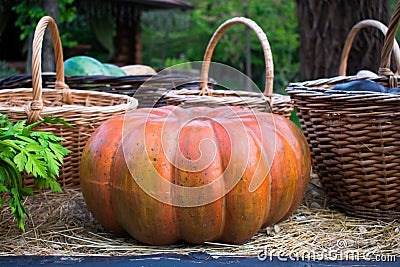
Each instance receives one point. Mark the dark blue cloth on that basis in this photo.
(361, 86)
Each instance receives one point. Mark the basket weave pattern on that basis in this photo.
(356, 157)
(147, 89)
(355, 139)
(84, 109)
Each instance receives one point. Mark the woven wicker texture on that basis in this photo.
(355, 136)
(208, 97)
(84, 109)
(147, 89)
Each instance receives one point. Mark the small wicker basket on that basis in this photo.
(204, 96)
(84, 109)
(355, 136)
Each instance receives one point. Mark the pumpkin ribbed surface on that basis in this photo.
(197, 174)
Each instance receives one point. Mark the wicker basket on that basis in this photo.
(147, 89)
(355, 136)
(204, 96)
(84, 109)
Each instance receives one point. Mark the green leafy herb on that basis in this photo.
(24, 151)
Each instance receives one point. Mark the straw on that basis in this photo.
(60, 224)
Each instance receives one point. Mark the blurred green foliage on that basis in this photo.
(6, 71)
(172, 33)
(31, 11)
(175, 36)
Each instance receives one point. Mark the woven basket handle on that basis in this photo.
(352, 34)
(36, 105)
(387, 47)
(269, 66)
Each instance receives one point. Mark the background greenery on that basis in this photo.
(173, 36)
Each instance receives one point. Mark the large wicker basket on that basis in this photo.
(205, 96)
(84, 109)
(355, 136)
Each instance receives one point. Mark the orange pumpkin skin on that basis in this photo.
(95, 169)
(247, 170)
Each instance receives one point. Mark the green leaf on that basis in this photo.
(54, 120)
(55, 187)
(47, 136)
(16, 128)
(12, 171)
(9, 143)
(3, 175)
(26, 132)
(20, 160)
(19, 211)
(4, 122)
(25, 139)
(3, 189)
(35, 166)
(53, 165)
(37, 153)
(59, 151)
(27, 191)
(34, 147)
(50, 182)
(6, 152)
(43, 143)
(51, 120)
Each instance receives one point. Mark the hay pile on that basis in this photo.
(60, 224)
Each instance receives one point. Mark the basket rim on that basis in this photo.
(235, 93)
(251, 99)
(131, 102)
(324, 87)
(76, 91)
(212, 92)
(213, 96)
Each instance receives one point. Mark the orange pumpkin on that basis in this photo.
(198, 174)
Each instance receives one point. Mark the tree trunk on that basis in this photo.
(48, 64)
(324, 26)
(128, 42)
(137, 30)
